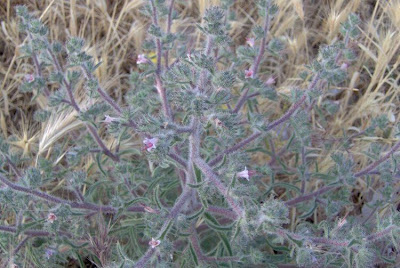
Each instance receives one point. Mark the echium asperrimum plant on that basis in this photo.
(190, 195)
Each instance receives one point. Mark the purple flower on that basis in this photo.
(246, 173)
(344, 66)
(49, 252)
(270, 81)
(141, 59)
(250, 41)
(154, 243)
(108, 119)
(51, 217)
(29, 78)
(150, 144)
(248, 73)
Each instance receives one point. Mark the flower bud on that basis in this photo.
(248, 73)
(250, 41)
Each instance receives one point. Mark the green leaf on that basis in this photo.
(196, 214)
(66, 241)
(195, 186)
(136, 200)
(226, 243)
(156, 197)
(193, 254)
(310, 212)
(121, 252)
(236, 230)
(277, 248)
(287, 186)
(81, 262)
(222, 163)
(210, 218)
(170, 223)
(99, 164)
(218, 227)
(299, 243)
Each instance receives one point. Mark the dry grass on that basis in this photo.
(114, 30)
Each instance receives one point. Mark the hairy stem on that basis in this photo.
(13, 166)
(159, 85)
(73, 204)
(375, 164)
(272, 125)
(243, 98)
(209, 173)
(169, 23)
(172, 214)
(303, 198)
(99, 141)
(38, 68)
(33, 233)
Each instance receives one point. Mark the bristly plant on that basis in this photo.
(191, 195)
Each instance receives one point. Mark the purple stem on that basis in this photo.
(309, 196)
(11, 229)
(243, 98)
(20, 245)
(13, 166)
(178, 159)
(380, 234)
(73, 204)
(169, 23)
(37, 65)
(67, 85)
(223, 212)
(263, 41)
(209, 173)
(159, 85)
(361, 173)
(106, 151)
(272, 125)
(372, 166)
(234, 148)
(172, 214)
(102, 93)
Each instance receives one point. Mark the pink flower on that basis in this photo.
(141, 59)
(14, 265)
(149, 209)
(250, 41)
(344, 66)
(248, 73)
(29, 78)
(109, 119)
(51, 217)
(246, 173)
(218, 123)
(270, 81)
(342, 222)
(150, 144)
(154, 243)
